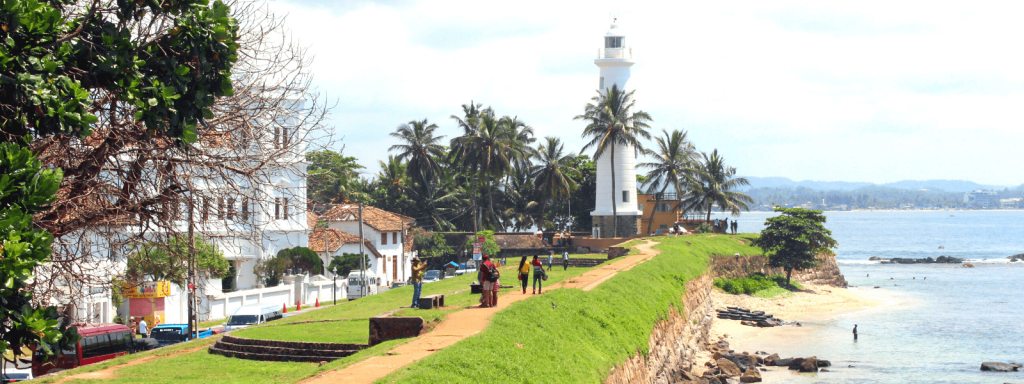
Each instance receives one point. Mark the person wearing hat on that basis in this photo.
(417, 280)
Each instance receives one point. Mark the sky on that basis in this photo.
(875, 91)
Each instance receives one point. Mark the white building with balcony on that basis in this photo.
(614, 60)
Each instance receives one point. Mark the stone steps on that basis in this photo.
(277, 350)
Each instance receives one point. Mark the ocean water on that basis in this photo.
(941, 322)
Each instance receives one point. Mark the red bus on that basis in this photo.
(99, 342)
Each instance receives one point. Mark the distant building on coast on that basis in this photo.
(981, 199)
(665, 212)
(614, 60)
(1014, 203)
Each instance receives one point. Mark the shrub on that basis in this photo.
(752, 284)
(704, 228)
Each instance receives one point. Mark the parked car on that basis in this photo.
(432, 276)
(398, 284)
(356, 284)
(464, 269)
(167, 334)
(253, 314)
(99, 343)
(14, 375)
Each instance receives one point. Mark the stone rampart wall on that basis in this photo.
(675, 340)
(827, 271)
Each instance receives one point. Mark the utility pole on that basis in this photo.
(190, 283)
(362, 257)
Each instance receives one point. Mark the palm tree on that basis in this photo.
(611, 123)
(393, 174)
(713, 183)
(420, 148)
(553, 173)
(520, 199)
(673, 166)
(437, 201)
(490, 148)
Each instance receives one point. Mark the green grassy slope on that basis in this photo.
(571, 336)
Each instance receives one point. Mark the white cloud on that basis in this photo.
(865, 91)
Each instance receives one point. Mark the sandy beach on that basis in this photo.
(813, 303)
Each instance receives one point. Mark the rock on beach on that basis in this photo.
(1000, 367)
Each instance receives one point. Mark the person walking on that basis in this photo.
(524, 273)
(486, 269)
(538, 270)
(565, 260)
(855, 332)
(142, 328)
(417, 280)
(551, 258)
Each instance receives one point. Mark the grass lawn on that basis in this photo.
(585, 334)
(345, 332)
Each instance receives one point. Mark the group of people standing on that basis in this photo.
(725, 226)
(138, 327)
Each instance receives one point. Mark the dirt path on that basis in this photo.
(466, 323)
(108, 373)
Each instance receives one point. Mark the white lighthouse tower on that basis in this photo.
(614, 60)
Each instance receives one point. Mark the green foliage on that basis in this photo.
(169, 261)
(754, 283)
(271, 270)
(490, 248)
(53, 65)
(792, 239)
(772, 293)
(25, 188)
(333, 177)
(431, 244)
(704, 228)
(302, 259)
(342, 265)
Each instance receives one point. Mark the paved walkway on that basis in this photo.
(466, 323)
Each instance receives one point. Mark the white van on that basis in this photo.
(252, 315)
(356, 284)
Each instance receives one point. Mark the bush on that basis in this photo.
(752, 284)
(704, 228)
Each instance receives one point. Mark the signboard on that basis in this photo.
(478, 250)
(147, 290)
(481, 239)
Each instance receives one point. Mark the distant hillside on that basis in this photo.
(938, 185)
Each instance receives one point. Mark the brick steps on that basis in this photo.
(276, 350)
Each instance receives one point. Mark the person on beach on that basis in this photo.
(524, 273)
(538, 270)
(486, 283)
(551, 259)
(417, 280)
(855, 332)
(565, 260)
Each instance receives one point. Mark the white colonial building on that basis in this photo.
(614, 60)
(384, 240)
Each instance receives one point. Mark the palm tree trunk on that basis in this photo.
(615, 211)
(657, 200)
(708, 220)
(490, 204)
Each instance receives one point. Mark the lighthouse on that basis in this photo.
(614, 60)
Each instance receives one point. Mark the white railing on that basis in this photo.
(222, 305)
(615, 53)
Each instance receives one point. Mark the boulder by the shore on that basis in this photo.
(927, 260)
(1019, 257)
(1000, 367)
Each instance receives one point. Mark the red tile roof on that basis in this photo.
(376, 218)
(334, 239)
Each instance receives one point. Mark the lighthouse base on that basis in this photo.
(627, 225)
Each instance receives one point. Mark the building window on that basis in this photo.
(277, 208)
(664, 207)
(640, 207)
(205, 215)
(600, 85)
(284, 208)
(231, 208)
(614, 41)
(220, 208)
(625, 196)
(394, 238)
(280, 137)
(245, 209)
(384, 239)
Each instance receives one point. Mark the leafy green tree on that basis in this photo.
(271, 270)
(436, 201)
(792, 239)
(673, 166)
(389, 191)
(420, 147)
(490, 247)
(302, 259)
(553, 173)
(521, 200)
(333, 177)
(611, 121)
(165, 60)
(431, 244)
(348, 262)
(576, 209)
(25, 189)
(169, 261)
(714, 183)
(489, 147)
